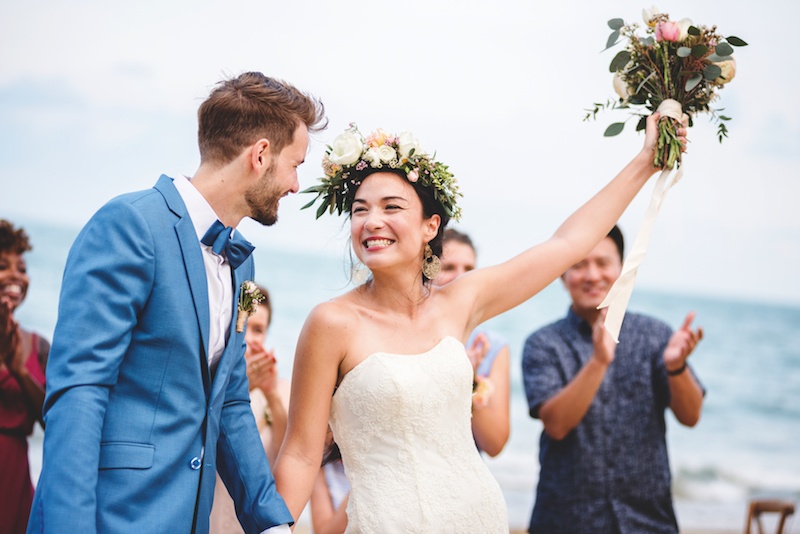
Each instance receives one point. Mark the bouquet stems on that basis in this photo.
(668, 149)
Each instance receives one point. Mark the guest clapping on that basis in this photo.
(23, 358)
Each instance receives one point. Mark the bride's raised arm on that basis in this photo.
(497, 289)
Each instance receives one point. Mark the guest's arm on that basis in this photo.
(325, 519)
(14, 354)
(686, 395)
(565, 410)
(490, 421)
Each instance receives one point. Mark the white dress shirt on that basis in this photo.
(220, 282)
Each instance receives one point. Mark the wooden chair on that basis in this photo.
(760, 506)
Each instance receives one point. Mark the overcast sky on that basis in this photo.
(99, 98)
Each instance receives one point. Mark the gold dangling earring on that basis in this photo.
(359, 273)
(431, 265)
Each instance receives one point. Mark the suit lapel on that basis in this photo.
(193, 263)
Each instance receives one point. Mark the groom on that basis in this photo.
(147, 394)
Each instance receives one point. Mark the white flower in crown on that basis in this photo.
(387, 154)
(346, 148)
(373, 156)
(406, 144)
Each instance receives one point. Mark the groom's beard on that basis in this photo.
(263, 199)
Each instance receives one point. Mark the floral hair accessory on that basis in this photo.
(677, 68)
(249, 297)
(351, 153)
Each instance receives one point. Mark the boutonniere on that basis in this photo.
(249, 297)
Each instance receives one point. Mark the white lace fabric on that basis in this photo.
(402, 423)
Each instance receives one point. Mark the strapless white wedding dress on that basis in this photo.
(402, 423)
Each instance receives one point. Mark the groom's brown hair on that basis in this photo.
(251, 106)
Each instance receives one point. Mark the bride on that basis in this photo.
(384, 364)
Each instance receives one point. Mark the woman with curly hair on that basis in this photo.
(23, 357)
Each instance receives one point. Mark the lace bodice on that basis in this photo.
(402, 423)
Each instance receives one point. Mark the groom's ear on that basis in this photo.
(261, 155)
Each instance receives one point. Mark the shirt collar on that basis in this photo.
(578, 323)
(200, 211)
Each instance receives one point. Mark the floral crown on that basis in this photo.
(351, 153)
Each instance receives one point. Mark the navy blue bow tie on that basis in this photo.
(237, 249)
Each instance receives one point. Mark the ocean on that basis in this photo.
(746, 445)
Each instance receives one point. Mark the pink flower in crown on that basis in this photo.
(668, 31)
(413, 175)
(377, 138)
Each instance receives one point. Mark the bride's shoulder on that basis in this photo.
(337, 313)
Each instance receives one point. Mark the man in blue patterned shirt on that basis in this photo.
(603, 453)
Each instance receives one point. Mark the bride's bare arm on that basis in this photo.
(494, 290)
(316, 366)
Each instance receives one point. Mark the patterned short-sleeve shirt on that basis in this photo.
(611, 473)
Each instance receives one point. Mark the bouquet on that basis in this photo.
(677, 68)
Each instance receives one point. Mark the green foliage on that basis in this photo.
(620, 61)
(614, 129)
(693, 81)
(723, 49)
(616, 24)
(712, 72)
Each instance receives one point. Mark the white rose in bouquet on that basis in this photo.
(649, 15)
(684, 24)
(728, 71)
(346, 149)
(621, 87)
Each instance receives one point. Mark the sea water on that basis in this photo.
(746, 445)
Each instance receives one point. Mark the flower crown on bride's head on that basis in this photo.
(351, 154)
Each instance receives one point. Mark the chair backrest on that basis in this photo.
(760, 506)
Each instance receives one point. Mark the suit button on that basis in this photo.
(195, 463)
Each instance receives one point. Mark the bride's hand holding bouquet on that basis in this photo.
(676, 68)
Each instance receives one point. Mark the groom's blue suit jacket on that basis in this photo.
(136, 422)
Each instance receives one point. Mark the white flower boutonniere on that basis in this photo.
(249, 297)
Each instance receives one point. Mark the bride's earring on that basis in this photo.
(359, 273)
(431, 265)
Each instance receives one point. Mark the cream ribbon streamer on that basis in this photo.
(617, 299)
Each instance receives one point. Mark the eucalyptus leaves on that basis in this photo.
(676, 61)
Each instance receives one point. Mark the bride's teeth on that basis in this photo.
(378, 243)
(13, 288)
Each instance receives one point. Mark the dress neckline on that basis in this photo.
(395, 355)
